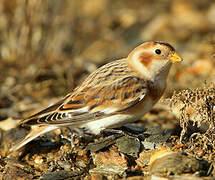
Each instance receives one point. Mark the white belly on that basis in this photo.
(108, 122)
(117, 120)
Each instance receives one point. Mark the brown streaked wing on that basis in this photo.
(118, 96)
(109, 99)
(95, 103)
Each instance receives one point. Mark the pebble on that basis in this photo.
(61, 175)
(110, 162)
(128, 145)
(102, 143)
(164, 162)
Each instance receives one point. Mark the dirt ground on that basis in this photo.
(47, 47)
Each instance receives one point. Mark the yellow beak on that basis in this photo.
(175, 58)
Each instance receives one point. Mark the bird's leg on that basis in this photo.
(69, 139)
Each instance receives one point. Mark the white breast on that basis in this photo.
(117, 120)
(108, 122)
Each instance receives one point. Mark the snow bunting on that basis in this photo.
(117, 93)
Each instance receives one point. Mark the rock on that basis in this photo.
(158, 178)
(187, 177)
(110, 162)
(133, 128)
(61, 175)
(15, 169)
(156, 134)
(153, 136)
(12, 136)
(8, 124)
(136, 178)
(128, 145)
(102, 143)
(94, 177)
(164, 162)
(154, 130)
(149, 145)
(82, 159)
(144, 158)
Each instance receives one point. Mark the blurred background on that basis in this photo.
(47, 47)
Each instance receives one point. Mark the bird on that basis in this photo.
(117, 93)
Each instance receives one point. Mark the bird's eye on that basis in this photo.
(157, 51)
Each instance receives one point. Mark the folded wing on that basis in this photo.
(90, 103)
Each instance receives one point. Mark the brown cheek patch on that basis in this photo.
(145, 59)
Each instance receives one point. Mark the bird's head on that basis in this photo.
(151, 58)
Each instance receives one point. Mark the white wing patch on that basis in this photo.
(81, 110)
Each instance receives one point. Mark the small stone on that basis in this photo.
(157, 135)
(11, 136)
(38, 160)
(65, 165)
(154, 130)
(8, 124)
(185, 177)
(128, 145)
(164, 162)
(158, 178)
(136, 178)
(61, 175)
(149, 145)
(96, 177)
(133, 128)
(82, 159)
(144, 158)
(102, 143)
(110, 162)
(15, 169)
